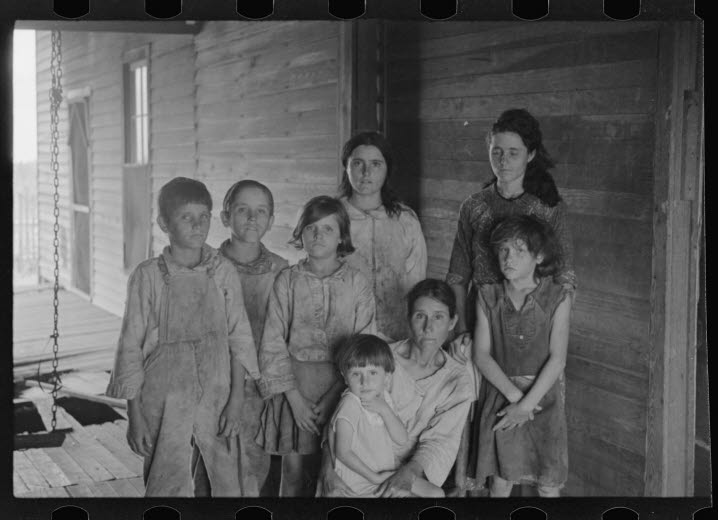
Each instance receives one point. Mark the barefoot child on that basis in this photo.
(182, 355)
(365, 426)
(521, 341)
(248, 210)
(314, 306)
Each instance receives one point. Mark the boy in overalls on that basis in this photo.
(185, 346)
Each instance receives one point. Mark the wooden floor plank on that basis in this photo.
(123, 488)
(68, 465)
(104, 489)
(32, 478)
(18, 486)
(87, 462)
(44, 408)
(138, 484)
(49, 470)
(79, 491)
(121, 451)
(56, 492)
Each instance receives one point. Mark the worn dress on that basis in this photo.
(308, 317)
(257, 279)
(181, 329)
(535, 452)
(391, 253)
(472, 261)
(433, 410)
(370, 442)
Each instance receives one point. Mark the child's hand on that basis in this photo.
(229, 419)
(323, 410)
(382, 476)
(304, 414)
(376, 405)
(138, 437)
(460, 347)
(514, 415)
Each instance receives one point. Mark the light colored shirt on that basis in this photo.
(391, 253)
(139, 335)
(433, 410)
(370, 442)
(308, 317)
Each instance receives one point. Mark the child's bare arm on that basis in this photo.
(342, 446)
(558, 349)
(229, 419)
(486, 363)
(393, 424)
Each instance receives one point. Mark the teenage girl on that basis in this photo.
(314, 306)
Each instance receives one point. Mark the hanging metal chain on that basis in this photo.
(55, 101)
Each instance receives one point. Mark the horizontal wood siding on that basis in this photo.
(266, 110)
(592, 87)
(94, 60)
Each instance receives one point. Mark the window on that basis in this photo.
(136, 113)
(136, 198)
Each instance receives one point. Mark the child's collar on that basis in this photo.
(208, 257)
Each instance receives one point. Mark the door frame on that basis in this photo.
(81, 95)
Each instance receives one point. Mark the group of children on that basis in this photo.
(229, 356)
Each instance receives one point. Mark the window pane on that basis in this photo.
(137, 109)
(137, 130)
(145, 90)
(145, 139)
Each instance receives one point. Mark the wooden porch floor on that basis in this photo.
(88, 334)
(93, 461)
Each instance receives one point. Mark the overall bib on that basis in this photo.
(186, 386)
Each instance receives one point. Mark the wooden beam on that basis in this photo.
(678, 188)
(345, 85)
(158, 27)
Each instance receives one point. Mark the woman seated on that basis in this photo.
(431, 394)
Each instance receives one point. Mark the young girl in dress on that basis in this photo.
(521, 338)
(248, 211)
(314, 306)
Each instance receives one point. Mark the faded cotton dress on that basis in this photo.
(180, 330)
(370, 442)
(472, 260)
(308, 317)
(535, 452)
(433, 410)
(257, 279)
(391, 252)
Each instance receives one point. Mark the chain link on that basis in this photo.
(55, 101)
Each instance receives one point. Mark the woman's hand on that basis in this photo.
(138, 436)
(302, 409)
(515, 414)
(230, 418)
(460, 347)
(322, 410)
(399, 484)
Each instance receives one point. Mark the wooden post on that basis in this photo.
(361, 78)
(678, 191)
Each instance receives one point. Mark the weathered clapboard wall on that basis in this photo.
(267, 110)
(592, 86)
(238, 100)
(94, 61)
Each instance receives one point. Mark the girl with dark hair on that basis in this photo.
(520, 346)
(431, 392)
(390, 247)
(313, 307)
(522, 186)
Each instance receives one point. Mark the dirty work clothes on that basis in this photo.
(180, 331)
(308, 318)
(257, 279)
(391, 253)
(536, 451)
(370, 442)
(433, 410)
(471, 257)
